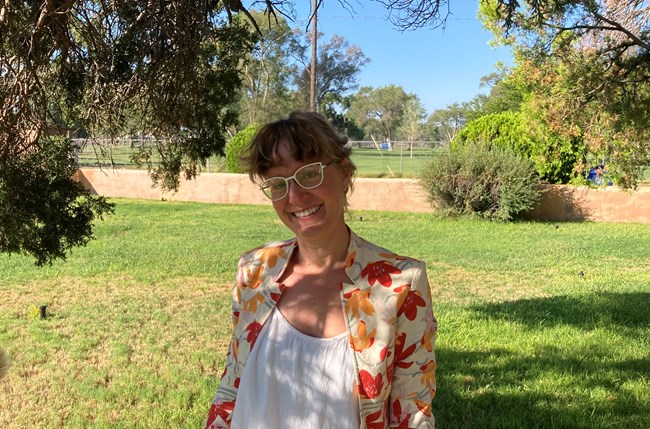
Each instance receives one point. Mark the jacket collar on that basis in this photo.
(356, 257)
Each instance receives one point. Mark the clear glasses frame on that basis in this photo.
(309, 176)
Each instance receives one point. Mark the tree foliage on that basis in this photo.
(42, 211)
(268, 72)
(379, 111)
(337, 68)
(412, 124)
(445, 123)
(506, 94)
(555, 157)
(236, 146)
(586, 66)
(90, 65)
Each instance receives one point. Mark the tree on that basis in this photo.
(446, 123)
(90, 65)
(505, 95)
(554, 156)
(412, 126)
(268, 73)
(585, 65)
(337, 69)
(378, 111)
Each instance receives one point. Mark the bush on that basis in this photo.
(503, 129)
(235, 147)
(554, 157)
(492, 183)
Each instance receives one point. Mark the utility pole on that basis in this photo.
(312, 72)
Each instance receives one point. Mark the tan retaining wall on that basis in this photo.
(558, 202)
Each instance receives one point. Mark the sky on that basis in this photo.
(440, 66)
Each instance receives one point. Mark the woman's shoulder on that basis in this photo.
(372, 252)
(279, 248)
(371, 264)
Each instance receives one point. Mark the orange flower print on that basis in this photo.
(429, 374)
(220, 409)
(391, 256)
(253, 331)
(254, 277)
(270, 255)
(424, 407)
(251, 304)
(402, 292)
(363, 340)
(427, 340)
(349, 260)
(357, 301)
(380, 272)
(370, 386)
(410, 306)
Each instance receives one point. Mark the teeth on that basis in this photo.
(307, 212)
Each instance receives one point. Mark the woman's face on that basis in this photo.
(311, 214)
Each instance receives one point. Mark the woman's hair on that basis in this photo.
(307, 135)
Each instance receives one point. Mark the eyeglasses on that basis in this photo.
(308, 176)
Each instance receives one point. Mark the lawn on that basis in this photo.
(399, 162)
(541, 325)
(370, 162)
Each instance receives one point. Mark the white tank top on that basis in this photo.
(294, 381)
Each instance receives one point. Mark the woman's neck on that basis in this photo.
(326, 255)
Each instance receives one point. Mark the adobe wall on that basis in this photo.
(405, 195)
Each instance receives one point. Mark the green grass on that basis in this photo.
(370, 162)
(395, 163)
(139, 318)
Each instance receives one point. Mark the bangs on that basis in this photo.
(301, 142)
(305, 135)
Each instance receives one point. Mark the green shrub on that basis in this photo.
(554, 157)
(235, 147)
(503, 129)
(492, 183)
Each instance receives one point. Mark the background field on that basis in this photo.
(370, 161)
(542, 325)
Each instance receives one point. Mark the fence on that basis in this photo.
(117, 153)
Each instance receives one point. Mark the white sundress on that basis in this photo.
(294, 381)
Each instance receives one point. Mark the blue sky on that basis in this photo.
(440, 66)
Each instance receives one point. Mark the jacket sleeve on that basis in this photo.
(223, 404)
(414, 382)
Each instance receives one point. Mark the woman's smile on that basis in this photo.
(308, 212)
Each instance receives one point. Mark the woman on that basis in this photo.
(329, 330)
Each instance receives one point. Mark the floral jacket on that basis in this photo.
(389, 319)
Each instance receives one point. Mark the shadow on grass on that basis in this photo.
(558, 385)
(613, 310)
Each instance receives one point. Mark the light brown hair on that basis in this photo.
(307, 134)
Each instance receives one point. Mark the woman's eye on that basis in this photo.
(277, 186)
(308, 175)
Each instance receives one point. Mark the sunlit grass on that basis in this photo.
(542, 325)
